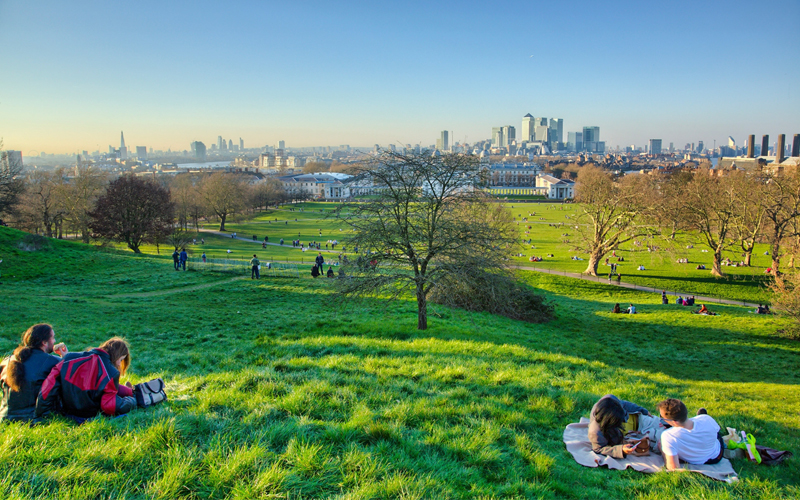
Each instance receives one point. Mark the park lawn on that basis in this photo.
(662, 272)
(277, 390)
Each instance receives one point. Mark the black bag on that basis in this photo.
(149, 393)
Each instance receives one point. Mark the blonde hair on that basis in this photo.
(118, 350)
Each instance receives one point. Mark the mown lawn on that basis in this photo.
(662, 271)
(277, 390)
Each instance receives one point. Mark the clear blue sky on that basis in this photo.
(75, 73)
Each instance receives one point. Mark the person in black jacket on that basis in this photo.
(88, 382)
(320, 260)
(22, 374)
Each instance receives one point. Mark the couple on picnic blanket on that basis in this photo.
(618, 428)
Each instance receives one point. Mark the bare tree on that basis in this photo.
(608, 212)
(748, 224)
(427, 221)
(710, 208)
(78, 195)
(133, 210)
(40, 207)
(223, 194)
(12, 184)
(779, 197)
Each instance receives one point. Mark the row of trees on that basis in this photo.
(81, 200)
(718, 209)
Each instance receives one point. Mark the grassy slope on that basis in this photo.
(277, 391)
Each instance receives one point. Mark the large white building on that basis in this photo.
(329, 186)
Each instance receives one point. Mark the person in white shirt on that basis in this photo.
(631, 309)
(694, 440)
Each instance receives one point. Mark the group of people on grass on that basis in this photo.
(618, 428)
(42, 377)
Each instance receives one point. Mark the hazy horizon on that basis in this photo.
(325, 74)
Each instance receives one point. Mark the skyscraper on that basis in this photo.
(655, 146)
(574, 141)
(556, 130)
(198, 150)
(281, 144)
(528, 133)
(141, 152)
(230, 145)
(591, 134)
(219, 142)
(123, 151)
(241, 144)
(510, 134)
(497, 137)
(445, 140)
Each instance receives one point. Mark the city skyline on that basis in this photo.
(327, 75)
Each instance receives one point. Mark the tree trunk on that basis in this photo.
(747, 254)
(422, 309)
(594, 260)
(135, 248)
(775, 249)
(716, 267)
(222, 222)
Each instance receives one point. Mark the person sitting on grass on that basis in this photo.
(694, 440)
(87, 383)
(704, 310)
(631, 309)
(612, 418)
(315, 271)
(22, 374)
(616, 309)
(330, 272)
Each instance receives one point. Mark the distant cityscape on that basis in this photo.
(539, 140)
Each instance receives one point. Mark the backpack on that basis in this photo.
(149, 393)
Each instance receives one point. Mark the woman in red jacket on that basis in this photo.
(88, 382)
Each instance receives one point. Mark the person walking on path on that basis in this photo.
(176, 259)
(320, 260)
(184, 257)
(254, 265)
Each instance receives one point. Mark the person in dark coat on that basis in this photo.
(330, 272)
(320, 260)
(184, 257)
(22, 374)
(315, 271)
(607, 425)
(176, 259)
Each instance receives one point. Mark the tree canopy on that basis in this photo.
(133, 210)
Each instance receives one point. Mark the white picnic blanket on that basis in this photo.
(576, 439)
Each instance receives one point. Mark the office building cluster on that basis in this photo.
(541, 135)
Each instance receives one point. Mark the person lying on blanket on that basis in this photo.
(694, 440)
(612, 418)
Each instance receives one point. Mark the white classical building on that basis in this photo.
(557, 189)
(327, 185)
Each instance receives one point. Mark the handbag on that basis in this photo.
(150, 393)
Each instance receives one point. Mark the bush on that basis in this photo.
(493, 293)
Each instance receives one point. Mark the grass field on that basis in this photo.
(662, 270)
(279, 391)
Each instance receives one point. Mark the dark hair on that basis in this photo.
(610, 415)
(673, 409)
(32, 339)
(118, 350)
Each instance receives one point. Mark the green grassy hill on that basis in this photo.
(279, 391)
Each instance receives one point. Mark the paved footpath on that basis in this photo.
(634, 286)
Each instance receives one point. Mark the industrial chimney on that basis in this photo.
(765, 145)
(751, 146)
(796, 145)
(780, 148)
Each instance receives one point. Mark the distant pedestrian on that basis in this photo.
(204, 257)
(184, 257)
(255, 264)
(203, 241)
(176, 259)
(320, 260)
(664, 299)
